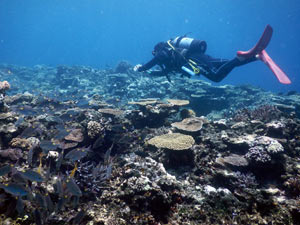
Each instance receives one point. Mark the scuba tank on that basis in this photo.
(191, 44)
(188, 62)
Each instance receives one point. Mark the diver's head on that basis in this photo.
(159, 47)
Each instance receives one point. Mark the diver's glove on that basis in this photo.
(136, 67)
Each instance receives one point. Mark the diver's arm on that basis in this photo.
(148, 65)
(157, 73)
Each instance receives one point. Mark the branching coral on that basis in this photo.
(264, 113)
(293, 185)
(245, 180)
(258, 154)
(263, 148)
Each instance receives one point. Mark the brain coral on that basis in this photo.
(174, 141)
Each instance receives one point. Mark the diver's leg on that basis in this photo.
(221, 68)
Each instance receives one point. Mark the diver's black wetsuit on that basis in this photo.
(172, 61)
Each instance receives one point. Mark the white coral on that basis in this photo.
(94, 129)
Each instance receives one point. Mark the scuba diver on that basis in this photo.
(187, 56)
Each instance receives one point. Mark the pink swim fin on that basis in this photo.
(260, 45)
(281, 76)
(259, 49)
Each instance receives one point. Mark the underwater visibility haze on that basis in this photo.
(101, 33)
(90, 134)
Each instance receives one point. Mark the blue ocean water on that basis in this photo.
(101, 33)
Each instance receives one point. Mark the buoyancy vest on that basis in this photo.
(190, 66)
(191, 44)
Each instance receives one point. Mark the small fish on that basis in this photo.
(14, 189)
(19, 121)
(26, 110)
(117, 128)
(40, 200)
(73, 187)
(38, 217)
(48, 172)
(107, 154)
(20, 206)
(30, 156)
(28, 132)
(108, 171)
(98, 143)
(69, 115)
(47, 146)
(32, 176)
(49, 203)
(83, 103)
(59, 188)
(61, 133)
(18, 178)
(61, 202)
(77, 154)
(5, 170)
(75, 201)
(59, 160)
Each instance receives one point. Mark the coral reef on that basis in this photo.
(80, 145)
(265, 113)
